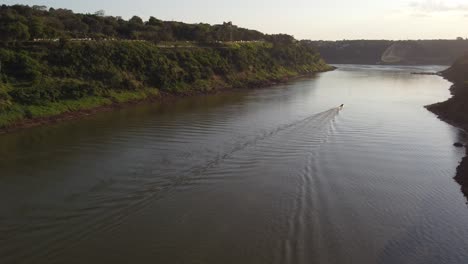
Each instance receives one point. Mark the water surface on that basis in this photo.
(277, 175)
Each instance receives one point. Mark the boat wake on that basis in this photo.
(105, 211)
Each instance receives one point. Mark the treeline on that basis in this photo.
(25, 23)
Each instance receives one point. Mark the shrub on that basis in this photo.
(40, 93)
(5, 99)
(75, 89)
(20, 65)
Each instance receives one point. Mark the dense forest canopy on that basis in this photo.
(25, 23)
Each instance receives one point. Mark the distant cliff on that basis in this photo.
(352, 51)
(418, 52)
(455, 110)
(408, 52)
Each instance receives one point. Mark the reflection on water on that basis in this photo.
(277, 175)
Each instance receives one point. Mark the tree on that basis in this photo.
(100, 13)
(74, 24)
(62, 13)
(154, 21)
(54, 24)
(135, 24)
(94, 23)
(202, 33)
(4, 97)
(36, 27)
(136, 20)
(281, 39)
(16, 31)
(109, 30)
(39, 7)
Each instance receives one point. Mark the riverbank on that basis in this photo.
(70, 110)
(48, 82)
(454, 111)
(449, 111)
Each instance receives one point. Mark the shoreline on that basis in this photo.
(160, 97)
(447, 111)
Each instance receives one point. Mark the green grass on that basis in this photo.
(10, 116)
(18, 112)
(57, 108)
(128, 96)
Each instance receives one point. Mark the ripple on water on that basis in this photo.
(264, 176)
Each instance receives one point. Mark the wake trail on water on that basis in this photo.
(153, 191)
(299, 245)
(322, 119)
(145, 192)
(322, 116)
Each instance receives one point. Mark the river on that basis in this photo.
(271, 175)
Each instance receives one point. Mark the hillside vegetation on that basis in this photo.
(47, 78)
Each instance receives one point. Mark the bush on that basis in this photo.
(37, 94)
(129, 83)
(20, 65)
(5, 99)
(75, 89)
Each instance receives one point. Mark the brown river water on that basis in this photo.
(273, 175)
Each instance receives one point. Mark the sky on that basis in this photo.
(305, 19)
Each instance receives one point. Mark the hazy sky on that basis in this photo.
(305, 19)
